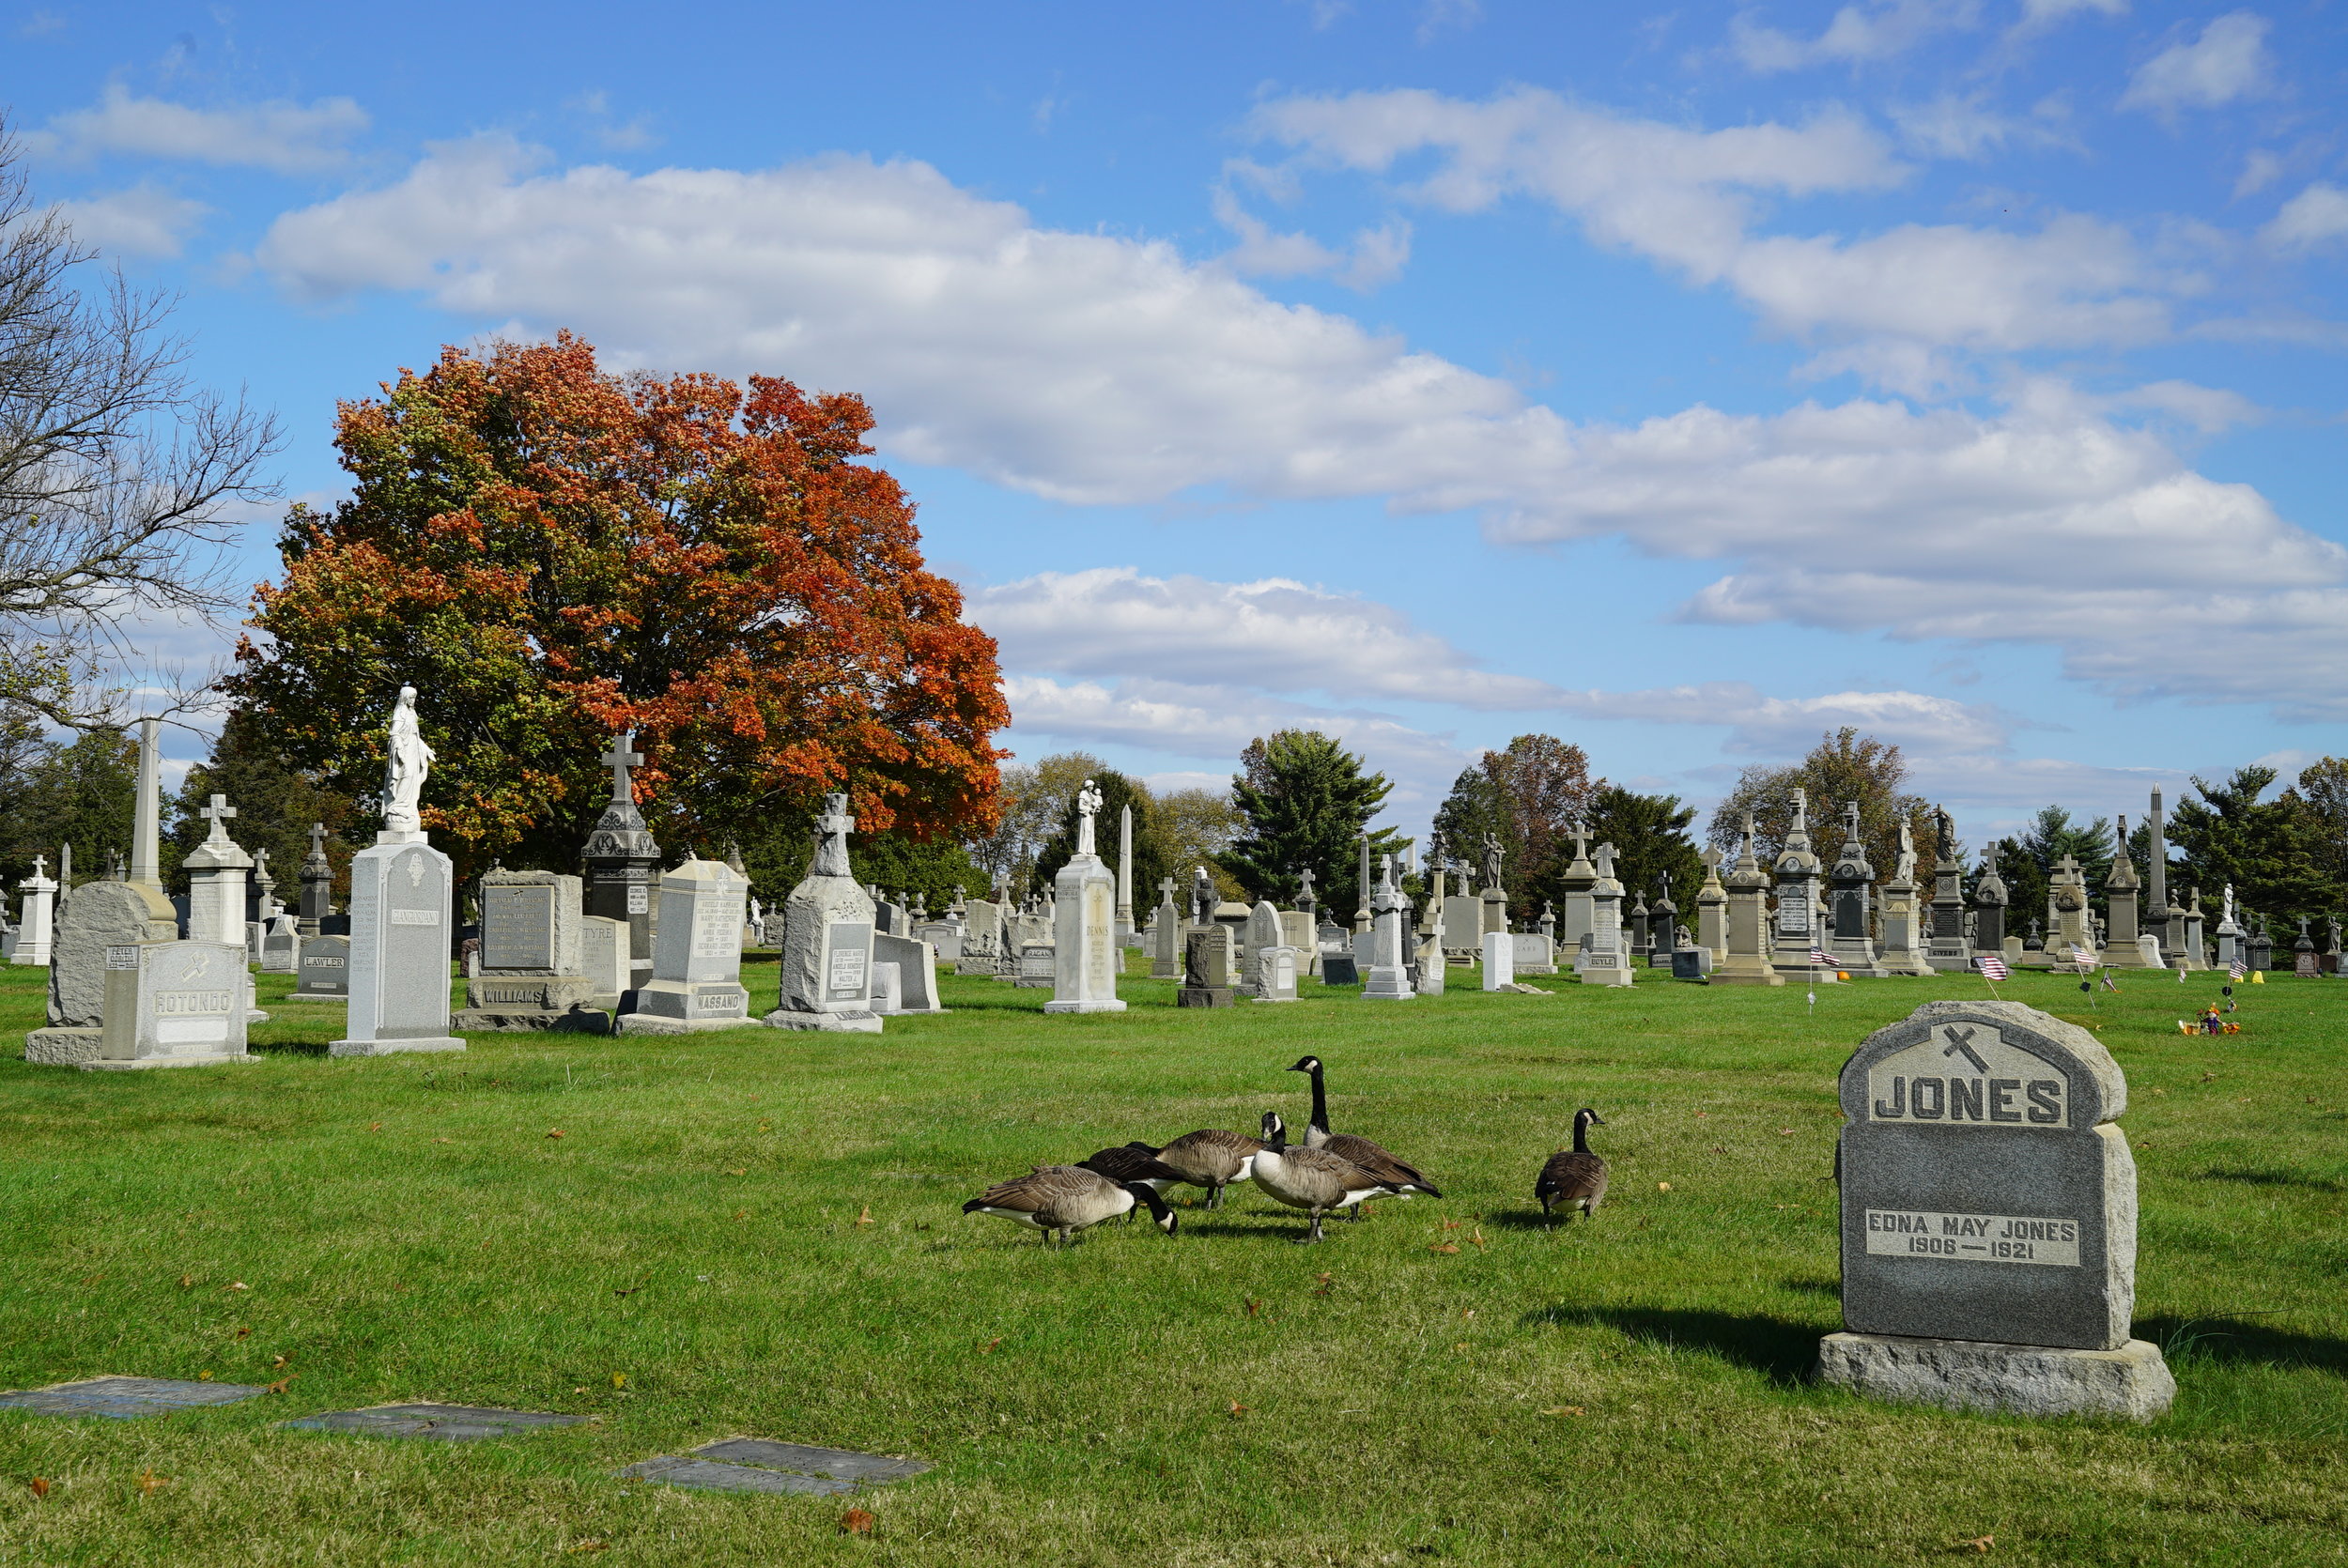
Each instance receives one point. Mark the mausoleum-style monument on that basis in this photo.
(1989, 1220)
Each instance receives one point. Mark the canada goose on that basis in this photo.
(1573, 1179)
(1061, 1200)
(1208, 1158)
(1132, 1162)
(1313, 1179)
(1401, 1179)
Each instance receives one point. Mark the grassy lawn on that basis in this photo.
(758, 1233)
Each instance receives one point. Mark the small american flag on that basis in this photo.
(2233, 972)
(2079, 957)
(1817, 956)
(2109, 984)
(1992, 967)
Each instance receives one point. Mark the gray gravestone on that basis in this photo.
(1039, 966)
(400, 904)
(756, 1464)
(1338, 969)
(442, 1422)
(97, 918)
(324, 970)
(1207, 963)
(281, 946)
(696, 981)
(173, 1005)
(826, 961)
(126, 1398)
(1989, 1220)
(603, 957)
(529, 973)
(1535, 954)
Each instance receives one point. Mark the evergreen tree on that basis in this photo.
(2323, 786)
(82, 793)
(1650, 837)
(1306, 804)
(275, 805)
(2271, 851)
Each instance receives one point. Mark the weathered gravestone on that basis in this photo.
(1533, 953)
(530, 975)
(97, 917)
(1989, 1220)
(1207, 970)
(173, 1005)
(982, 940)
(916, 963)
(827, 960)
(1039, 966)
(1276, 972)
(324, 970)
(1088, 956)
(696, 981)
(281, 946)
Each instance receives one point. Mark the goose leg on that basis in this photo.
(1214, 1195)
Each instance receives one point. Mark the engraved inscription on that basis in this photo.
(640, 899)
(170, 1002)
(1968, 1075)
(1792, 912)
(517, 926)
(122, 958)
(415, 917)
(1972, 1237)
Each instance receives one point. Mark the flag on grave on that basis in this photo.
(2233, 972)
(1817, 956)
(1992, 967)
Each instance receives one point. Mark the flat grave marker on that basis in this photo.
(443, 1422)
(126, 1398)
(758, 1465)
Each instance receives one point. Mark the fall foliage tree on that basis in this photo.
(1842, 766)
(549, 553)
(1527, 796)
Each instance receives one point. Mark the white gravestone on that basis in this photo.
(33, 933)
(401, 900)
(827, 960)
(1087, 954)
(173, 1005)
(696, 983)
(1534, 954)
(216, 888)
(1388, 978)
(917, 971)
(1500, 962)
(1989, 1220)
(528, 974)
(1279, 967)
(887, 992)
(604, 959)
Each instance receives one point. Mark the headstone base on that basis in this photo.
(1206, 996)
(686, 1008)
(510, 1003)
(342, 996)
(1387, 983)
(62, 1048)
(2132, 1383)
(392, 1048)
(1606, 975)
(579, 1019)
(1090, 1005)
(834, 1024)
(1744, 970)
(98, 1064)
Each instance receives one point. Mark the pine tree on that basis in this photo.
(1650, 837)
(2271, 851)
(1307, 804)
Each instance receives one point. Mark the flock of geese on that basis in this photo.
(1327, 1172)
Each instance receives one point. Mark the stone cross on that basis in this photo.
(317, 837)
(1166, 890)
(834, 826)
(219, 813)
(1711, 858)
(620, 758)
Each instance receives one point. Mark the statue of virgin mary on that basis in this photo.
(409, 759)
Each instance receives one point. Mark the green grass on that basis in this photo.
(1628, 1390)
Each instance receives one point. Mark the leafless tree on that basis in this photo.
(118, 476)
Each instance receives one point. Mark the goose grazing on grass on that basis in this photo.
(1401, 1179)
(1573, 1179)
(1312, 1179)
(1132, 1162)
(1208, 1158)
(1061, 1200)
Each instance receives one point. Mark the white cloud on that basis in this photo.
(1377, 257)
(1963, 126)
(141, 221)
(1684, 199)
(290, 138)
(2207, 409)
(2316, 216)
(1857, 34)
(2039, 15)
(2228, 61)
(2260, 169)
(1096, 369)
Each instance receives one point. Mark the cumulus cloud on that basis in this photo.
(141, 221)
(1964, 125)
(2037, 14)
(1686, 199)
(1092, 368)
(1857, 34)
(290, 138)
(2228, 61)
(2316, 216)
(1375, 259)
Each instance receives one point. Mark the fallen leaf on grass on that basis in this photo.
(619, 1379)
(235, 1284)
(276, 1361)
(1237, 1410)
(1662, 1187)
(988, 1348)
(187, 1282)
(1327, 1285)
(1444, 1246)
(375, 1126)
(737, 1173)
(556, 1133)
(95, 1278)
(444, 1140)
(741, 1213)
(202, 1376)
(1467, 1315)
(1253, 1303)
(1477, 1237)
(279, 1387)
(1451, 1224)
(856, 1521)
(1565, 1410)
(1976, 1543)
(150, 1483)
(590, 1545)
(1460, 1348)
(865, 1218)
(1785, 1131)
(244, 1333)
(40, 1487)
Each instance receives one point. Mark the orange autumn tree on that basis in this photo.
(549, 553)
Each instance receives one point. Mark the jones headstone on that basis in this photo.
(1989, 1219)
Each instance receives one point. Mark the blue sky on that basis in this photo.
(1683, 382)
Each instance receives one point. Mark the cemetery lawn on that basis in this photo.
(759, 1233)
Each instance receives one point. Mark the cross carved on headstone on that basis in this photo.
(219, 813)
(620, 758)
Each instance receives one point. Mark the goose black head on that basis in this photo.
(1307, 1064)
(1589, 1116)
(1147, 1197)
(1276, 1131)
